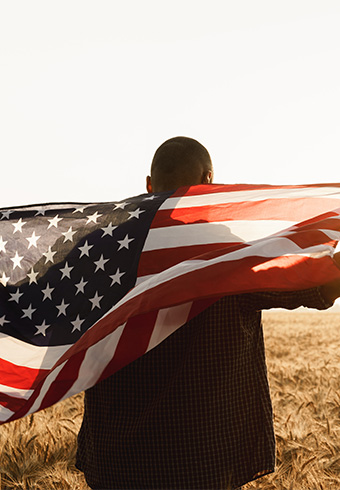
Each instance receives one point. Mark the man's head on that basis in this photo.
(178, 162)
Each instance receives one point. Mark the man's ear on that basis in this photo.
(148, 184)
(207, 177)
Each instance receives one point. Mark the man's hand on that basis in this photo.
(331, 290)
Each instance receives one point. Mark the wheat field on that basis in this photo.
(303, 356)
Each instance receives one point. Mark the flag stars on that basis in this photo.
(16, 260)
(49, 255)
(93, 218)
(41, 329)
(108, 230)
(100, 264)
(28, 312)
(79, 210)
(81, 285)
(2, 245)
(18, 225)
(4, 279)
(77, 323)
(66, 271)
(125, 242)
(96, 300)
(15, 296)
(54, 221)
(116, 277)
(69, 235)
(33, 276)
(33, 240)
(120, 205)
(85, 249)
(3, 320)
(47, 292)
(62, 308)
(150, 198)
(136, 213)
(5, 214)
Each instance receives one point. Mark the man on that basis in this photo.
(194, 412)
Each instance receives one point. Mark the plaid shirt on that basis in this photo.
(194, 412)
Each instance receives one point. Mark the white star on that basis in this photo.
(16, 260)
(93, 217)
(69, 235)
(125, 243)
(4, 279)
(108, 230)
(79, 210)
(80, 286)
(28, 312)
(41, 329)
(33, 240)
(100, 263)
(62, 307)
(49, 255)
(3, 321)
(77, 324)
(40, 211)
(151, 198)
(5, 214)
(2, 245)
(18, 225)
(47, 292)
(33, 276)
(121, 205)
(116, 277)
(66, 271)
(15, 296)
(136, 213)
(54, 221)
(95, 301)
(85, 249)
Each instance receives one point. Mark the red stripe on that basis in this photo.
(133, 342)
(269, 209)
(154, 261)
(11, 402)
(20, 377)
(64, 380)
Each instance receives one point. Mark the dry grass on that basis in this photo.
(303, 353)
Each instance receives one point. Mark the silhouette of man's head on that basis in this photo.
(179, 162)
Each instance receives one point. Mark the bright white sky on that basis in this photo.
(90, 89)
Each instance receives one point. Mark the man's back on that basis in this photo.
(195, 411)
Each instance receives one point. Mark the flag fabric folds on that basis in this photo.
(86, 289)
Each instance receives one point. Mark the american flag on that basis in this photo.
(86, 289)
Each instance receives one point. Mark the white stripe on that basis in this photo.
(208, 233)
(17, 392)
(45, 387)
(32, 356)
(168, 320)
(249, 195)
(96, 359)
(5, 413)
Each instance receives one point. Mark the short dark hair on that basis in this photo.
(179, 161)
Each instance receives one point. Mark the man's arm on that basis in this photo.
(331, 290)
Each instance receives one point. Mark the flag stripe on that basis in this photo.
(18, 376)
(201, 195)
(31, 356)
(298, 209)
(209, 233)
